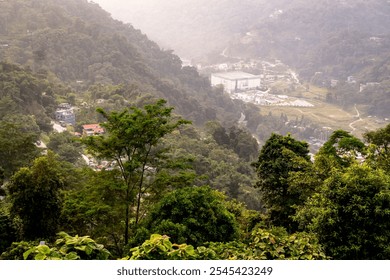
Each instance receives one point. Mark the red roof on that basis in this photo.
(93, 128)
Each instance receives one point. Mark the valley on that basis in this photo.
(267, 138)
(282, 93)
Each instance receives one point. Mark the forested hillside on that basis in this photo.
(168, 172)
(82, 45)
(332, 44)
(338, 38)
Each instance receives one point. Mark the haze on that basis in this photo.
(143, 15)
(192, 28)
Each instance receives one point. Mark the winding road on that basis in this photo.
(351, 125)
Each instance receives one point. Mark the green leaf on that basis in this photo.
(72, 256)
(88, 249)
(28, 252)
(81, 248)
(40, 256)
(44, 249)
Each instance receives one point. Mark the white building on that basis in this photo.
(65, 114)
(235, 81)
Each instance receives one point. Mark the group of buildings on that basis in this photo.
(246, 87)
(65, 115)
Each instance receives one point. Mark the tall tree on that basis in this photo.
(277, 160)
(36, 197)
(131, 140)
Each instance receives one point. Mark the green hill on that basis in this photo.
(82, 45)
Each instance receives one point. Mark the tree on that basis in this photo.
(237, 139)
(380, 145)
(92, 208)
(7, 230)
(341, 150)
(132, 140)
(18, 135)
(35, 193)
(65, 146)
(350, 214)
(193, 215)
(279, 157)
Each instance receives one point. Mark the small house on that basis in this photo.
(92, 129)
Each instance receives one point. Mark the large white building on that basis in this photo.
(235, 81)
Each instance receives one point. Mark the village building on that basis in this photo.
(236, 81)
(92, 129)
(65, 114)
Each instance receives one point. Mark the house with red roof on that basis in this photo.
(92, 129)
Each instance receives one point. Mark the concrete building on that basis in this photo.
(235, 81)
(65, 114)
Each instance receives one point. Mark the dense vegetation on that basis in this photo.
(335, 207)
(172, 178)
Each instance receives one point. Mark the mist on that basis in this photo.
(191, 28)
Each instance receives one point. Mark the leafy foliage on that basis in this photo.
(36, 198)
(18, 135)
(159, 247)
(193, 215)
(7, 230)
(216, 166)
(350, 214)
(341, 149)
(263, 245)
(380, 147)
(26, 93)
(92, 208)
(69, 248)
(65, 145)
(17, 249)
(277, 160)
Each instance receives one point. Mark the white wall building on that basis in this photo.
(235, 81)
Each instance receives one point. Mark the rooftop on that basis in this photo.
(91, 129)
(237, 75)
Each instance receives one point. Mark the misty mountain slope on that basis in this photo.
(340, 38)
(25, 93)
(191, 28)
(337, 37)
(82, 45)
(322, 40)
